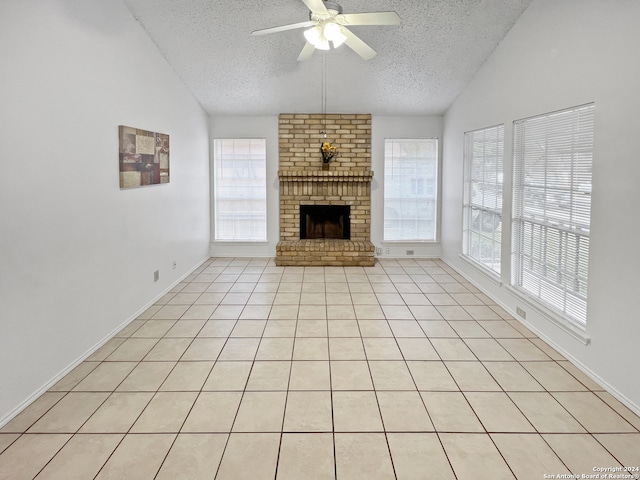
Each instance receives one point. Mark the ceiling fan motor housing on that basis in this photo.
(333, 8)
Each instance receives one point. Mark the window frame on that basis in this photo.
(551, 220)
(475, 212)
(250, 188)
(427, 190)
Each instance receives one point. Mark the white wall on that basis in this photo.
(381, 128)
(77, 254)
(558, 55)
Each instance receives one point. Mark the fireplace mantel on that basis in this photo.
(325, 176)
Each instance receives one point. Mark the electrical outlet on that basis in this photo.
(175, 264)
(409, 252)
(387, 251)
(521, 312)
(156, 275)
(378, 250)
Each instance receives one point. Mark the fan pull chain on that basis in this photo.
(324, 94)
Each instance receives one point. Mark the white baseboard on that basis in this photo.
(584, 369)
(35, 395)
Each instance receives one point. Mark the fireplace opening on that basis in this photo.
(325, 221)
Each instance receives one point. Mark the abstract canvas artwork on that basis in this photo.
(144, 157)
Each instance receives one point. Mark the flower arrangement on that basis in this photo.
(328, 151)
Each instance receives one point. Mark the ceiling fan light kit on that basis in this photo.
(320, 35)
(333, 32)
(329, 24)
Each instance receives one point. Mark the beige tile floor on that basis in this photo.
(251, 371)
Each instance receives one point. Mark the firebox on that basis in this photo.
(325, 221)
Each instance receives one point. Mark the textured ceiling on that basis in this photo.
(420, 68)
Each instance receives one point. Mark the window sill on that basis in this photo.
(409, 242)
(240, 242)
(566, 325)
(488, 274)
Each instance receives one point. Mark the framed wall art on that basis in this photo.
(144, 157)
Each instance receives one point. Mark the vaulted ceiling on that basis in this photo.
(420, 67)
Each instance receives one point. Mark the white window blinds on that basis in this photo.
(240, 190)
(483, 159)
(553, 156)
(410, 189)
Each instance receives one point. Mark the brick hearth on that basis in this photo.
(305, 180)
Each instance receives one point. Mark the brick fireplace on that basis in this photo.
(306, 181)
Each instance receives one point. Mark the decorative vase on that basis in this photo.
(328, 151)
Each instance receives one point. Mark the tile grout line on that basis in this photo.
(464, 341)
(286, 399)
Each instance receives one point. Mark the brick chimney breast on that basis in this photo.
(306, 180)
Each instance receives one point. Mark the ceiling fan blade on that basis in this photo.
(306, 52)
(316, 6)
(283, 28)
(357, 45)
(374, 18)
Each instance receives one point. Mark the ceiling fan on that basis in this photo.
(327, 24)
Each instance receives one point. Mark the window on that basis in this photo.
(240, 190)
(483, 155)
(410, 181)
(553, 155)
